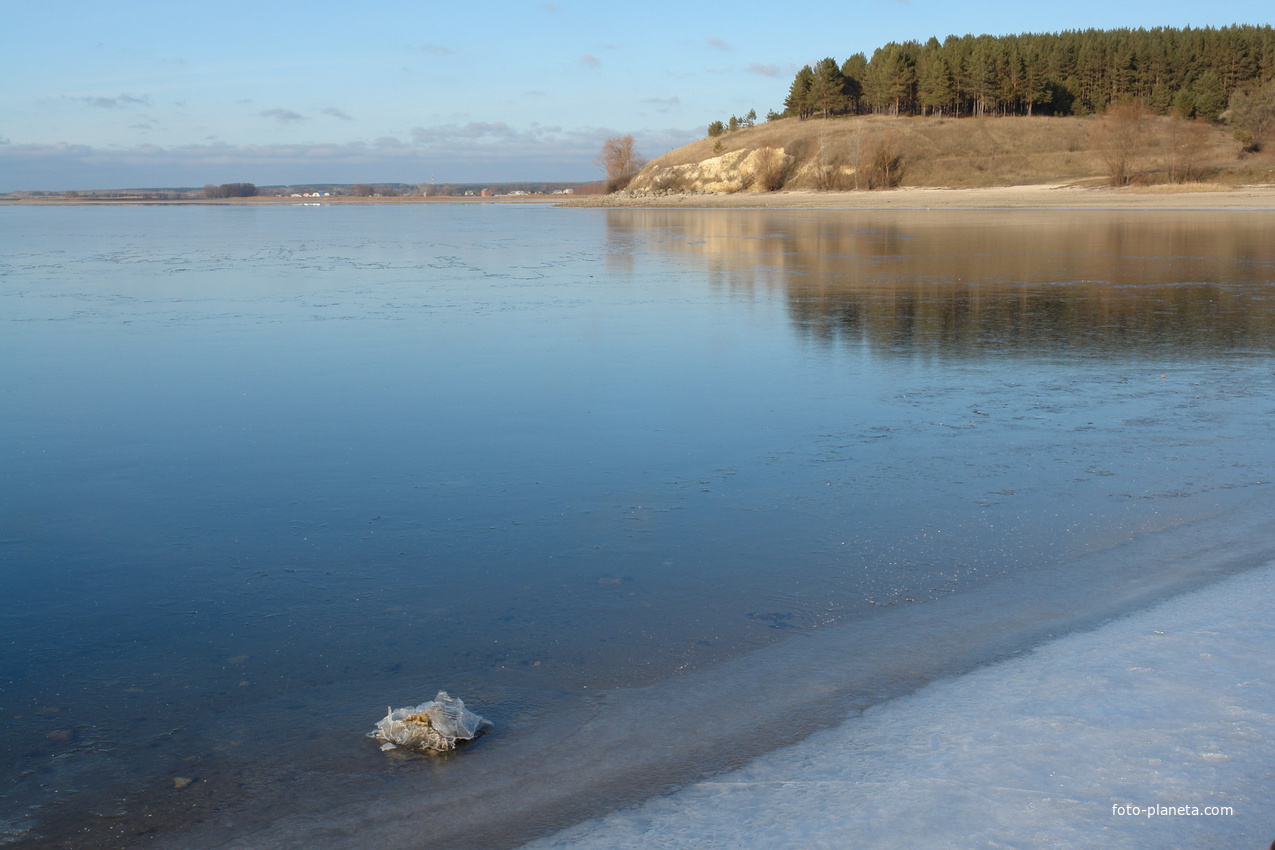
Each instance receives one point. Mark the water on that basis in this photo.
(265, 471)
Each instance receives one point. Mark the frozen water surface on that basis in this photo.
(1156, 730)
(658, 493)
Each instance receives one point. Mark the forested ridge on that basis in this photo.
(1187, 72)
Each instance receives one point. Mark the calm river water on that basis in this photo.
(266, 471)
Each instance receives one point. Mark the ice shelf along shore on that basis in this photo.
(1155, 730)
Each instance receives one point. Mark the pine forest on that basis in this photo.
(1191, 73)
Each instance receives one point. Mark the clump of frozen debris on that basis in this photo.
(433, 726)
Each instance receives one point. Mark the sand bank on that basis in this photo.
(1052, 196)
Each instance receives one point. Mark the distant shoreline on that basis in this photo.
(275, 201)
(1043, 197)
(1058, 196)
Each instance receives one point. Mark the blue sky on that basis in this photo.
(132, 94)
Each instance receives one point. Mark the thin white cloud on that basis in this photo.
(61, 149)
(549, 7)
(588, 60)
(720, 43)
(473, 132)
(436, 49)
(664, 101)
(338, 113)
(469, 152)
(122, 101)
(536, 143)
(763, 70)
(283, 116)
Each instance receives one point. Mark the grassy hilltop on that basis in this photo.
(1131, 106)
(879, 152)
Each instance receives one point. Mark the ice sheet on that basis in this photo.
(1066, 746)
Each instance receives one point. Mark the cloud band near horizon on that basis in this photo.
(456, 153)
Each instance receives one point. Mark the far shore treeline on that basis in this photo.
(330, 191)
(1187, 72)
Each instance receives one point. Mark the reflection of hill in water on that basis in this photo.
(975, 283)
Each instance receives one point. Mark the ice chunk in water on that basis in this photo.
(435, 725)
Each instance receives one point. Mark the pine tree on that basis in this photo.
(935, 85)
(1210, 99)
(855, 72)
(978, 78)
(827, 93)
(1184, 103)
(798, 100)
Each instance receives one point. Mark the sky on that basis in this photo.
(141, 93)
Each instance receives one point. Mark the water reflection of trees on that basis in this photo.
(974, 283)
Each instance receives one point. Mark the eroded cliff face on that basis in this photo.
(759, 170)
(883, 152)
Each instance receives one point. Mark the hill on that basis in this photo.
(877, 152)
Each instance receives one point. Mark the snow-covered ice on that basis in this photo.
(1171, 706)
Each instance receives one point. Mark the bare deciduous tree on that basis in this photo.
(771, 169)
(830, 170)
(621, 162)
(1120, 136)
(1183, 145)
(886, 164)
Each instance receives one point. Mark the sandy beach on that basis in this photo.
(1050, 196)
